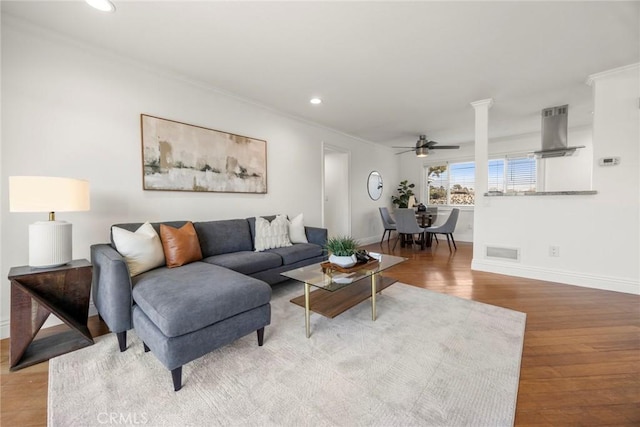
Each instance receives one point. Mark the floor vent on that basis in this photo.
(510, 254)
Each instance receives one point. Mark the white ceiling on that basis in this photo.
(387, 71)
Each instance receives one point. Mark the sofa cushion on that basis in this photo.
(246, 262)
(191, 297)
(224, 236)
(270, 235)
(142, 250)
(181, 245)
(133, 226)
(252, 227)
(297, 233)
(297, 252)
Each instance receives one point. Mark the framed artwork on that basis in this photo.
(181, 157)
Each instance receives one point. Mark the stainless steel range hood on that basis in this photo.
(554, 133)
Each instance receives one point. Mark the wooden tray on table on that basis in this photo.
(327, 266)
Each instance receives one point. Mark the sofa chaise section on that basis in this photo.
(183, 313)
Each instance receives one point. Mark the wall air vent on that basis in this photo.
(496, 252)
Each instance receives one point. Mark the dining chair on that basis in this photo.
(387, 222)
(407, 225)
(447, 228)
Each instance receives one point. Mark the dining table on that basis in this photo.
(425, 219)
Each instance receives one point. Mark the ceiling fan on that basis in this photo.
(424, 145)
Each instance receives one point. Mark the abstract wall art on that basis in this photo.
(181, 157)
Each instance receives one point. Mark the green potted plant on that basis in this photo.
(405, 191)
(343, 251)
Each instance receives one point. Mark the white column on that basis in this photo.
(482, 169)
(482, 147)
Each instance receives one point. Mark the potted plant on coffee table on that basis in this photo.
(343, 251)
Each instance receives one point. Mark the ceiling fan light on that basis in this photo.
(422, 152)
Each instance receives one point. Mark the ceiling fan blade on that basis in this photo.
(403, 147)
(446, 147)
(402, 152)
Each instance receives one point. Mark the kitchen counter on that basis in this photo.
(544, 193)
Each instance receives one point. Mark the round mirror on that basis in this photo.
(374, 185)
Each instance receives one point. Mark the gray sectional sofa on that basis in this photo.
(185, 312)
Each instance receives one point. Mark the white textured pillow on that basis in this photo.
(141, 250)
(297, 233)
(272, 235)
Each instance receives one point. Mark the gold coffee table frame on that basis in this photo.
(337, 292)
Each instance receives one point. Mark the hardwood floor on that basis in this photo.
(580, 363)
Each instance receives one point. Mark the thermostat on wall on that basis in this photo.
(609, 161)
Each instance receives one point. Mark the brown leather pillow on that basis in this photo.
(181, 245)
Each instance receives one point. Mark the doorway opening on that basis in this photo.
(336, 194)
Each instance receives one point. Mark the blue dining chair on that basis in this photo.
(407, 226)
(387, 222)
(447, 228)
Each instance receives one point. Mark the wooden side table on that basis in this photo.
(38, 292)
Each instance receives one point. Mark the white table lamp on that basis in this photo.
(49, 241)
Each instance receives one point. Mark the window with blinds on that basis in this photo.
(454, 183)
(512, 175)
(520, 174)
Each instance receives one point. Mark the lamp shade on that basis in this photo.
(47, 194)
(49, 241)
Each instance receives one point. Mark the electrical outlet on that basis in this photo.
(470, 226)
(554, 251)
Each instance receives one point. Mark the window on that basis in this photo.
(454, 183)
(437, 183)
(512, 175)
(462, 178)
(451, 184)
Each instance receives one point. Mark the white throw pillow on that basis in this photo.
(297, 233)
(141, 250)
(270, 235)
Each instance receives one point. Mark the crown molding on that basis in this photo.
(597, 76)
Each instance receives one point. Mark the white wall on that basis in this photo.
(573, 172)
(598, 235)
(71, 110)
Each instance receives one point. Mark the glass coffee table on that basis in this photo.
(339, 291)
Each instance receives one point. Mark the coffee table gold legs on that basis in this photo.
(307, 313)
(373, 296)
(307, 304)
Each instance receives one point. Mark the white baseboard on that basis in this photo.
(606, 283)
(51, 321)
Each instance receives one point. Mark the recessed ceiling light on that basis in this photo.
(315, 101)
(102, 5)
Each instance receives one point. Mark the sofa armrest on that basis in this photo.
(316, 235)
(111, 287)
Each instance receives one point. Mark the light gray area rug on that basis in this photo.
(428, 360)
